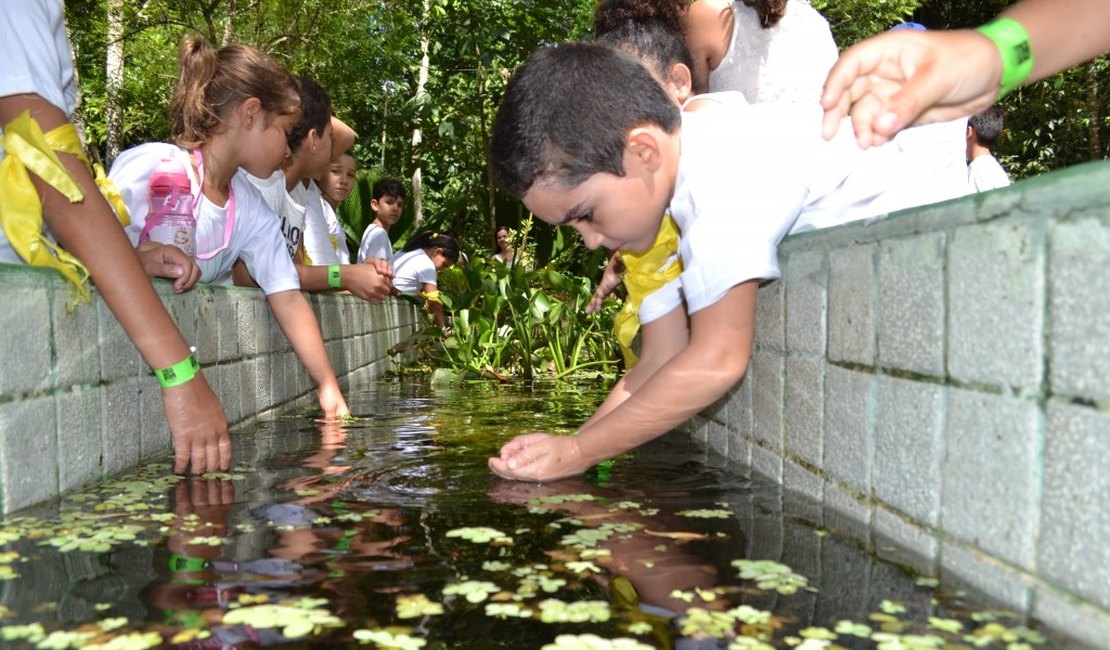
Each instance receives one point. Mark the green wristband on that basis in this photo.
(178, 373)
(333, 276)
(182, 564)
(1012, 42)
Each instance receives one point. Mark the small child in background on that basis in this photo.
(418, 263)
(983, 170)
(234, 108)
(335, 186)
(388, 202)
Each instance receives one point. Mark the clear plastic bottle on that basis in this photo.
(171, 219)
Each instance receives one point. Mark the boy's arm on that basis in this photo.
(296, 319)
(89, 230)
(715, 358)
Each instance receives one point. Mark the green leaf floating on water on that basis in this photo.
(132, 641)
(294, 622)
(556, 611)
(416, 606)
(889, 641)
(594, 642)
(386, 639)
(475, 591)
(481, 535)
(507, 610)
(771, 575)
(496, 565)
(705, 514)
(748, 643)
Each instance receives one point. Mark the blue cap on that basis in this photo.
(914, 26)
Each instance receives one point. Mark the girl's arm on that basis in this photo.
(715, 358)
(296, 319)
(365, 281)
(89, 230)
(708, 31)
(434, 307)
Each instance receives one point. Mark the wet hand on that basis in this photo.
(539, 457)
(331, 402)
(164, 261)
(907, 78)
(198, 426)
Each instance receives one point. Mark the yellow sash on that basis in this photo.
(644, 274)
(431, 296)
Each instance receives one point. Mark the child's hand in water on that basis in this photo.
(540, 457)
(164, 261)
(331, 402)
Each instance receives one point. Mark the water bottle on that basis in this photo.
(171, 220)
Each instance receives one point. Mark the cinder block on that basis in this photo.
(28, 452)
(698, 428)
(767, 464)
(911, 304)
(1080, 309)
(230, 389)
(1072, 550)
(80, 414)
(853, 304)
(845, 578)
(76, 335)
(118, 356)
(740, 453)
(984, 576)
(154, 431)
(849, 430)
(717, 437)
(908, 447)
(805, 392)
(121, 431)
(901, 542)
(996, 301)
(207, 341)
(182, 308)
(227, 317)
(806, 277)
(846, 513)
(990, 474)
(739, 411)
(767, 399)
(770, 323)
(1080, 621)
(248, 388)
(800, 480)
(250, 328)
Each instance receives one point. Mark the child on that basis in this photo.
(37, 94)
(335, 186)
(983, 171)
(586, 137)
(235, 108)
(898, 79)
(292, 194)
(388, 202)
(418, 263)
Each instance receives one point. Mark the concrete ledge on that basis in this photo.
(944, 374)
(77, 403)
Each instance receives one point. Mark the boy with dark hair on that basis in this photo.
(983, 170)
(586, 137)
(388, 202)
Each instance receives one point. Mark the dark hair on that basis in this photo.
(987, 125)
(770, 12)
(315, 112)
(387, 186)
(649, 29)
(566, 112)
(211, 83)
(436, 239)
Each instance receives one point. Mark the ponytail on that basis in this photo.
(770, 12)
(433, 239)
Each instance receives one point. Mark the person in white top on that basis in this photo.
(335, 186)
(769, 50)
(232, 109)
(37, 96)
(388, 204)
(983, 170)
(417, 266)
(291, 194)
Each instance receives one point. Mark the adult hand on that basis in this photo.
(905, 78)
(365, 282)
(539, 457)
(198, 427)
(610, 278)
(164, 261)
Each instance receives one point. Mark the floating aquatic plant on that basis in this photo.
(854, 629)
(416, 606)
(705, 623)
(748, 643)
(481, 535)
(387, 639)
(593, 642)
(294, 622)
(496, 565)
(584, 566)
(751, 616)
(892, 607)
(558, 499)
(130, 641)
(475, 591)
(950, 625)
(556, 611)
(705, 514)
(507, 610)
(889, 641)
(771, 575)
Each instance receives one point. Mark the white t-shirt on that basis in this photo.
(751, 174)
(255, 236)
(318, 248)
(985, 173)
(412, 270)
(290, 212)
(785, 63)
(336, 233)
(36, 59)
(375, 243)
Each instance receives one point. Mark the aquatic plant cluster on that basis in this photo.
(582, 592)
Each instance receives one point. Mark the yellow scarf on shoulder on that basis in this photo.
(644, 274)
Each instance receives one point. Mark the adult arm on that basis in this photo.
(715, 358)
(89, 230)
(903, 78)
(296, 319)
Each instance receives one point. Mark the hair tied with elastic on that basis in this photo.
(435, 235)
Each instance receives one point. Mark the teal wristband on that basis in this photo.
(178, 373)
(1013, 45)
(333, 276)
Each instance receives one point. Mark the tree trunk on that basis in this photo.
(113, 88)
(1094, 119)
(421, 99)
(484, 125)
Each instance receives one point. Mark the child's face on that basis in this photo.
(316, 152)
(268, 144)
(617, 212)
(440, 260)
(339, 180)
(387, 209)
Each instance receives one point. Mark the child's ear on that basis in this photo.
(682, 81)
(374, 205)
(644, 145)
(250, 111)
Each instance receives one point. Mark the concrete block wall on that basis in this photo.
(942, 377)
(77, 402)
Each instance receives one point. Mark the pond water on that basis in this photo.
(390, 532)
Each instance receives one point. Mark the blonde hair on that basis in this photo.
(211, 83)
